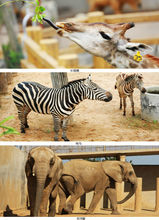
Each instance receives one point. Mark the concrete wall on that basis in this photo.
(12, 178)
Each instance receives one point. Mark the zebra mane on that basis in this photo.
(73, 82)
(129, 77)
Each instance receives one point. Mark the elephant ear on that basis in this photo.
(57, 167)
(29, 165)
(113, 169)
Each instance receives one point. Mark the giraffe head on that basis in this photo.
(103, 40)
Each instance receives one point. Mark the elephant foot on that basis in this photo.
(65, 139)
(115, 212)
(64, 212)
(69, 208)
(89, 212)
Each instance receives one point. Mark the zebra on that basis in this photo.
(60, 103)
(126, 83)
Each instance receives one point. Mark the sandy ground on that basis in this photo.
(102, 213)
(92, 120)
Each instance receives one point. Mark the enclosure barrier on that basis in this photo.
(44, 52)
(13, 191)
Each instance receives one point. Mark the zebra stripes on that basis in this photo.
(61, 103)
(126, 83)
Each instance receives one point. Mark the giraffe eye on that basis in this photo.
(105, 36)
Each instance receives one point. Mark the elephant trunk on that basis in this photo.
(41, 174)
(130, 194)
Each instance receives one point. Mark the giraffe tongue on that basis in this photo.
(51, 23)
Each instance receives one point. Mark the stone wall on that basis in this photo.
(12, 178)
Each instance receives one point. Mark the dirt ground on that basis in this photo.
(92, 120)
(102, 213)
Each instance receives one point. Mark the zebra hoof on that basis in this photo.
(26, 126)
(56, 139)
(65, 139)
(22, 130)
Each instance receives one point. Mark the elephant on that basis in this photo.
(43, 170)
(82, 176)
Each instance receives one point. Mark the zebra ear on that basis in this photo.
(90, 77)
(87, 81)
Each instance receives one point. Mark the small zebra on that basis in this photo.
(126, 83)
(60, 103)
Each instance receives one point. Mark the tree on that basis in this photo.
(12, 51)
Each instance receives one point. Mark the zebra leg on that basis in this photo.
(124, 103)
(64, 129)
(56, 128)
(120, 101)
(22, 117)
(26, 112)
(132, 105)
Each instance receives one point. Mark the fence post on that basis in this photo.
(50, 46)
(138, 195)
(35, 33)
(68, 60)
(157, 195)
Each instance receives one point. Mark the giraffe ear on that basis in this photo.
(133, 48)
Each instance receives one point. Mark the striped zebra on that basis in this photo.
(60, 103)
(126, 83)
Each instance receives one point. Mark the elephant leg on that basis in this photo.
(62, 203)
(64, 129)
(96, 197)
(56, 127)
(111, 192)
(78, 192)
(31, 184)
(52, 199)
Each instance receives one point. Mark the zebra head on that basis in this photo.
(94, 92)
(138, 82)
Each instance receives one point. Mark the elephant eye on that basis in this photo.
(105, 36)
(52, 162)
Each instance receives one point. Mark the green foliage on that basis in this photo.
(38, 17)
(12, 58)
(39, 13)
(9, 130)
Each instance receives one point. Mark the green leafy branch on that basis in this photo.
(38, 17)
(9, 130)
(39, 13)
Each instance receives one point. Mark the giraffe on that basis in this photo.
(108, 41)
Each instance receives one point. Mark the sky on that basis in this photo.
(146, 160)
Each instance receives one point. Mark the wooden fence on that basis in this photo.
(43, 48)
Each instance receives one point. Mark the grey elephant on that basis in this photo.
(43, 170)
(86, 176)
